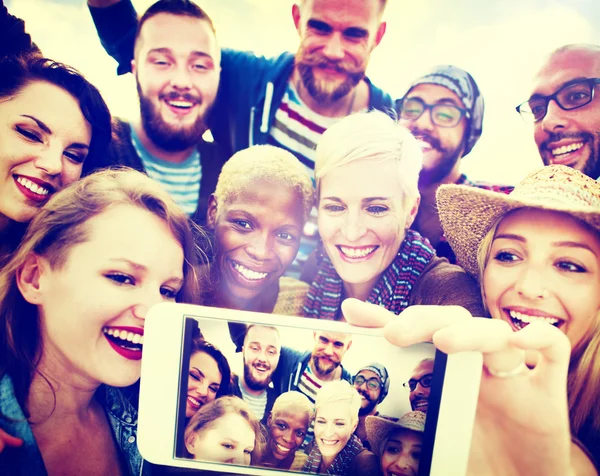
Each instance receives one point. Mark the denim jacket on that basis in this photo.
(26, 460)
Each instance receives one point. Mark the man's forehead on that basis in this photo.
(179, 33)
(435, 93)
(368, 374)
(424, 367)
(566, 66)
(333, 336)
(263, 335)
(345, 13)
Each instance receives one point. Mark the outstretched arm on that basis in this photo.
(522, 421)
(116, 23)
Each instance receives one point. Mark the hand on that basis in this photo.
(8, 440)
(522, 422)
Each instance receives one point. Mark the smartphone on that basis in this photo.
(181, 423)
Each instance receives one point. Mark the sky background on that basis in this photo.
(500, 42)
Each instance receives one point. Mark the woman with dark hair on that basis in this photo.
(51, 121)
(73, 302)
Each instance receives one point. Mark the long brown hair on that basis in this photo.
(58, 226)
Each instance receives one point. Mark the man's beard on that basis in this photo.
(447, 161)
(323, 91)
(252, 383)
(322, 370)
(163, 135)
(592, 166)
(371, 404)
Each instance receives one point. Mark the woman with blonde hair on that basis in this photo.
(367, 170)
(225, 431)
(337, 449)
(73, 299)
(536, 253)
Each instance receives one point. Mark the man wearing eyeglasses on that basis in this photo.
(372, 382)
(565, 109)
(420, 385)
(444, 110)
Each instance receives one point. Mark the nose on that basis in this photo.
(531, 284)
(423, 122)
(260, 247)
(181, 78)
(240, 457)
(402, 462)
(287, 436)
(334, 48)
(555, 118)
(201, 388)
(353, 227)
(328, 350)
(146, 298)
(50, 161)
(419, 389)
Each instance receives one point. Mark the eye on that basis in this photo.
(392, 450)
(340, 423)
(506, 257)
(333, 208)
(377, 209)
(77, 158)
(285, 236)
(32, 136)
(300, 434)
(196, 376)
(228, 446)
(120, 278)
(162, 63)
(571, 267)
(214, 388)
(243, 224)
(248, 451)
(168, 293)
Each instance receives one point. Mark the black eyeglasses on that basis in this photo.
(425, 382)
(571, 96)
(372, 383)
(442, 115)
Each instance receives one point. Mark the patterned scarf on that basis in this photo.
(392, 291)
(342, 462)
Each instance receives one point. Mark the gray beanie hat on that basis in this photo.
(382, 373)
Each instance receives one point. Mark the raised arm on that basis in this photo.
(116, 23)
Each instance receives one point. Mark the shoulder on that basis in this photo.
(365, 464)
(235, 60)
(379, 99)
(443, 284)
(290, 299)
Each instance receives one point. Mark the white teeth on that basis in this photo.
(124, 335)
(329, 442)
(357, 252)
(529, 319)
(184, 104)
(248, 273)
(565, 149)
(283, 449)
(35, 188)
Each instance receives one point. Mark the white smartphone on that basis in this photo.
(170, 413)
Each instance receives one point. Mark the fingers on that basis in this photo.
(363, 314)
(552, 346)
(419, 323)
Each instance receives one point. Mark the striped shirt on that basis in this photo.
(309, 385)
(297, 128)
(257, 404)
(181, 180)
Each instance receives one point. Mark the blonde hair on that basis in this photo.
(59, 225)
(371, 136)
(206, 419)
(583, 382)
(339, 391)
(293, 399)
(264, 162)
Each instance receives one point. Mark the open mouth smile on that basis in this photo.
(521, 320)
(126, 341)
(329, 442)
(283, 449)
(194, 402)
(248, 273)
(356, 252)
(564, 153)
(37, 190)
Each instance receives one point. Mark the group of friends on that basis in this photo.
(405, 240)
(297, 410)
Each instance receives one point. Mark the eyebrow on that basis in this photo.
(568, 244)
(168, 51)
(563, 85)
(141, 267)
(47, 130)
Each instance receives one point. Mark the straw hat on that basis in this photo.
(378, 428)
(468, 213)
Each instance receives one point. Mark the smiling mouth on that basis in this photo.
(521, 320)
(194, 403)
(329, 442)
(562, 154)
(261, 368)
(283, 449)
(356, 252)
(248, 273)
(125, 342)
